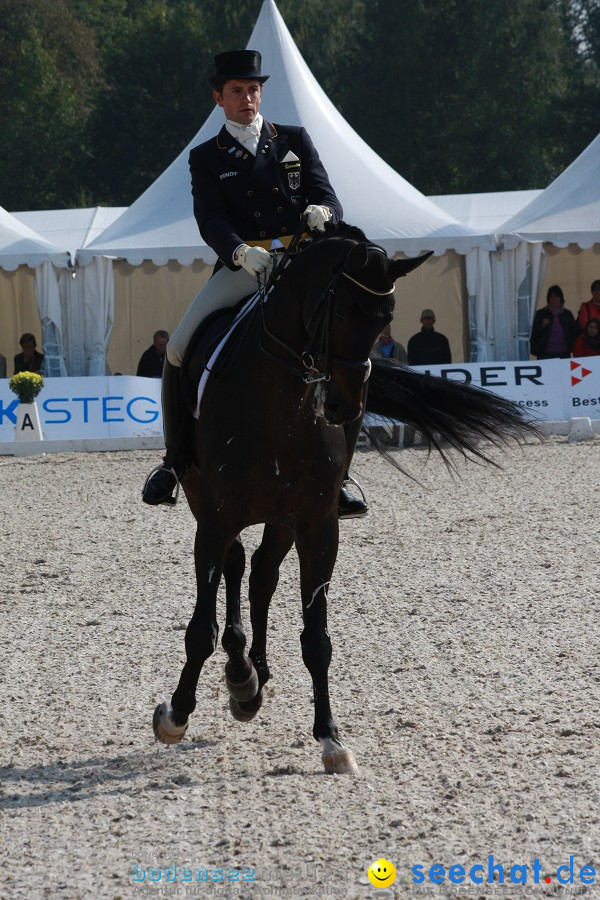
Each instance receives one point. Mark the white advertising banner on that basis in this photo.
(89, 408)
(553, 390)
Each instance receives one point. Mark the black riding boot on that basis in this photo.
(163, 480)
(350, 507)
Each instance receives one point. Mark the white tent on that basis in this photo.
(555, 238)
(567, 211)
(21, 246)
(22, 249)
(500, 286)
(86, 296)
(70, 229)
(485, 212)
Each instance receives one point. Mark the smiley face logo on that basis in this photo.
(382, 873)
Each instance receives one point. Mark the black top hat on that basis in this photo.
(237, 64)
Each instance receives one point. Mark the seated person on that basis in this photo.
(588, 342)
(29, 360)
(152, 360)
(385, 346)
(591, 308)
(235, 177)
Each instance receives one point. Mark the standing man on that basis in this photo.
(251, 185)
(152, 360)
(428, 346)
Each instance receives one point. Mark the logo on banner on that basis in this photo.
(583, 373)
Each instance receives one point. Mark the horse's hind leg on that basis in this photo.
(240, 674)
(317, 551)
(266, 560)
(264, 576)
(170, 721)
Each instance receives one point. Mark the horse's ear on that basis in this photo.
(357, 258)
(401, 267)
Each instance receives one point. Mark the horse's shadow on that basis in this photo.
(84, 779)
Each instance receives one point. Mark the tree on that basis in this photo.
(47, 71)
(155, 95)
(458, 95)
(580, 110)
(97, 97)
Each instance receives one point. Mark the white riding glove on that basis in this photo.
(317, 216)
(255, 260)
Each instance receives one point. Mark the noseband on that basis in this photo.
(319, 327)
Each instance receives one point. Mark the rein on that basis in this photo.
(307, 363)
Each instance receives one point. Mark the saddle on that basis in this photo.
(201, 347)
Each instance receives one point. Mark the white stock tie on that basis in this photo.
(247, 135)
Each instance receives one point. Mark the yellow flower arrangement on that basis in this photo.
(26, 385)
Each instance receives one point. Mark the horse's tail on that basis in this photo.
(447, 413)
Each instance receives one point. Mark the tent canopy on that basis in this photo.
(70, 229)
(567, 211)
(21, 246)
(160, 225)
(484, 212)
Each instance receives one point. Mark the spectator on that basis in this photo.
(29, 360)
(386, 346)
(2, 366)
(152, 360)
(428, 347)
(588, 342)
(590, 309)
(554, 328)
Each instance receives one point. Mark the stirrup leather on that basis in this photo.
(168, 501)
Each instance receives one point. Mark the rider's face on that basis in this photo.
(240, 100)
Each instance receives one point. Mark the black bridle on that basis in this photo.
(312, 365)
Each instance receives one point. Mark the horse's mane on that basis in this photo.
(341, 230)
(315, 249)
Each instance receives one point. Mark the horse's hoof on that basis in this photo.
(337, 759)
(165, 730)
(244, 711)
(244, 690)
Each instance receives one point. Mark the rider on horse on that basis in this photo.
(251, 184)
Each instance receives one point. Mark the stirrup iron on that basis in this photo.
(168, 501)
(351, 480)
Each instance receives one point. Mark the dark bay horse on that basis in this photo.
(269, 447)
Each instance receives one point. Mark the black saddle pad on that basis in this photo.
(201, 347)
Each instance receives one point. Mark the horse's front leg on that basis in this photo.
(317, 550)
(170, 720)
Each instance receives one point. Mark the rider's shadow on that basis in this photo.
(84, 779)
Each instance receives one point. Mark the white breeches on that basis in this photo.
(225, 288)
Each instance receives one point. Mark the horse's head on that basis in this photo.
(328, 307)
(356, 305)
